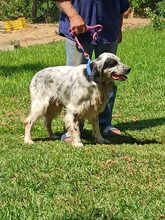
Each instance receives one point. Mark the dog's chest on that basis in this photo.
(93, 105)
(96, 101)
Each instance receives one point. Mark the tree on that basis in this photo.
(34, 10)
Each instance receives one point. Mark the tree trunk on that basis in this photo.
(34, 10)
(48, 16)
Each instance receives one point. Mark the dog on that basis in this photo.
(70, 87)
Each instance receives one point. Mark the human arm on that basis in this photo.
(76, 21)
(124, 5)
(120, 29)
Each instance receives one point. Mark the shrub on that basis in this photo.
(139, 5)
(12, 9)
(157, 16)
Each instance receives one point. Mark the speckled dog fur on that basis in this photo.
(53, 88)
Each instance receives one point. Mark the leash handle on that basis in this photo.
(98, 28)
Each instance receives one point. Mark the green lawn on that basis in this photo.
(52, 180)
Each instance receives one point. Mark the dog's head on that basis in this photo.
(108, 67)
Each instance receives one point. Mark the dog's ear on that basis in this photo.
(95, 72)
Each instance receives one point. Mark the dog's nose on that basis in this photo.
(128, 70)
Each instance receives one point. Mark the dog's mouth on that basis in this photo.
(121, 77)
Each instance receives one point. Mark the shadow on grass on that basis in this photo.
(120, 139)
(89, 139)
(134, 126)
(126, 138)
(9, 71)
(45, 139)
(140, 125)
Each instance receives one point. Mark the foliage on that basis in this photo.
(157, 16)
(52, 180)
(46, 10)
(12, 9)
(139, 5)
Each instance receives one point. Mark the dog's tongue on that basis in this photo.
(118, 77)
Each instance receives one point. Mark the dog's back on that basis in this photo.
(67, 83)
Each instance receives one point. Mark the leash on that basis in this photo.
(98, 28)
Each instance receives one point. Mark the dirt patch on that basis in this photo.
(45, 33)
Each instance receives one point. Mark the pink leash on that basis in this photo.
(98, 28)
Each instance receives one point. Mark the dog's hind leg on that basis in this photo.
(37, 110)
(53, 110)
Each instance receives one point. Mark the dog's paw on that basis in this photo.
(77, 144)
(106, 141)
(103, 141)
(53, 137)
(28, 141)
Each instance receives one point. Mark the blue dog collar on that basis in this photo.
(89, 71)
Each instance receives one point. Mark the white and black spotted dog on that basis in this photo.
(53, 88)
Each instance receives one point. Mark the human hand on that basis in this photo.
(77, 24)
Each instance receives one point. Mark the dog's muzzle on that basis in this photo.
(120, 77)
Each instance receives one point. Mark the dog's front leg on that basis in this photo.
(97, 134)
(72, 125)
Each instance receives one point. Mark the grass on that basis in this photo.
(51, 179)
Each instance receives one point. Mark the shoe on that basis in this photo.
(110, 130)
(66, 137)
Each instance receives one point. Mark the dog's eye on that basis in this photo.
(110, 63)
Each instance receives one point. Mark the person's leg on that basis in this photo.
(74, 56)
(109, 48)
(105, 118)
